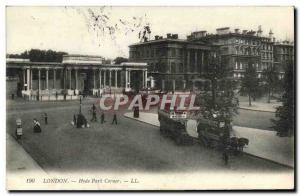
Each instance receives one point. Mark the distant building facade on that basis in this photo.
(283, 55)
(76, 74)
(175, 63)
(172, 63)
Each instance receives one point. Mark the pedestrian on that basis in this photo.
(74, 119)
(46, 118)
(93, 107)
(56, 95)
(102, 118)
(36, 126)
(114, 119)
(94, 118)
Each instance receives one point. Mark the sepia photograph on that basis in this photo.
(150, 98)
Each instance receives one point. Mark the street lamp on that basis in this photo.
(80, 104)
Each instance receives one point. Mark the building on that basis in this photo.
(76, 74)
(172, 63)
(283, 55)
(175, 63)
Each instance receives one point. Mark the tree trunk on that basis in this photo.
(269, 96)
(249, 94)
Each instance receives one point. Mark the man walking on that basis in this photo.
(114, 119)
(102, 118)
(94, 118)
(46, 118)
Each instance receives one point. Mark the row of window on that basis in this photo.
(267, 55)
(241, 65)
(267, 47)
(156, 52)
(239, 41)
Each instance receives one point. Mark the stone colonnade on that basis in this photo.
(71, 78)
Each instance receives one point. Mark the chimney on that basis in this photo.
(175, 36)
(259, 31)
(156, 37)
(245, 31)
(237, 30)
(169, 36)
(271, 34)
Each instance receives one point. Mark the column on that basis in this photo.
(163, 85)
(109, 78)
(100, 78)
(188, 61)
(76, 79)
(28, 77)
(24, 79)
(30, 82)
(196, 59)
(39, 80)
(47, 79)
(70, 79)
(94, 77)
(116, 79)
(104, 81)
(126, 78)
(143, 78)
(173, 85)
(64, 74)
(129, 80)
(146, 78)
(54, 78)
(184, 84)
(202, 61)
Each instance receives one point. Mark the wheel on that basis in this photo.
(162, 132)
(178, 140)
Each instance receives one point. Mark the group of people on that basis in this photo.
(37, 125)
(102, 117)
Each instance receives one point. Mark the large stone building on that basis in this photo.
(174, 63)
(74, 75)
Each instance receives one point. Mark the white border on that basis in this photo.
(5, 3)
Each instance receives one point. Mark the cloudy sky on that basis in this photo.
(79, 30)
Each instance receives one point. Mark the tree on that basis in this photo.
(285, 114)
(250, 82)
(221, 98)
(36, 55)
(270, 80)
(120, 60)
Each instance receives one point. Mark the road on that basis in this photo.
(127, 147)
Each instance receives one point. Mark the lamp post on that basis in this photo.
(80, 105)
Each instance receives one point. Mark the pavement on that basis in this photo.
(262, 143)
(18, 160)
(260, 104)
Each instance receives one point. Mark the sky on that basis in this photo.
(77, 30)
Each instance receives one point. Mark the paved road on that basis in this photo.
(128, 146)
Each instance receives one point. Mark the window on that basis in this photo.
(173, 67)
(173, 52)
(236, 65)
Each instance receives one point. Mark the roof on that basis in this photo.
(162, 41)
(80, 55)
